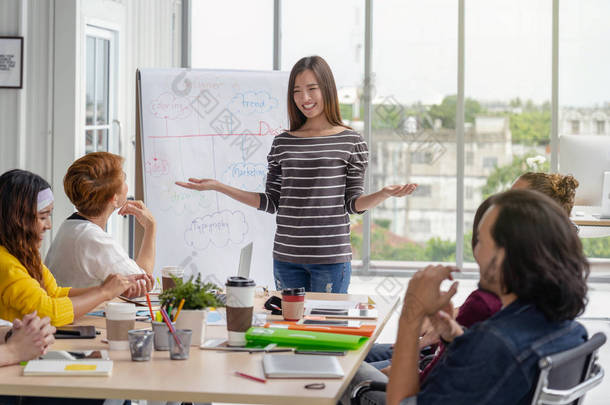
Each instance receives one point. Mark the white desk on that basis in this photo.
(591, 225)
(207, 376)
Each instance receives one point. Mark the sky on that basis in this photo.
(507, 45)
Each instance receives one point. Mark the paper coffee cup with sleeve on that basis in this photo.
(120, 318)
(240, 304)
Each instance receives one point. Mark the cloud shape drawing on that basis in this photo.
(218, 229)
(168, 106)
(246, 175)
(252, 102)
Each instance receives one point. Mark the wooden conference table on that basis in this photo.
(207, 376)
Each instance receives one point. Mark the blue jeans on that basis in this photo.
(328, 278)
(380, 355)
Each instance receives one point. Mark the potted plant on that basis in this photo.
(198, 296)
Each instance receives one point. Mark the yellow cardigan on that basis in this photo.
(21, 294)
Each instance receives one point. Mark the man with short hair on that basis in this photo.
(528, 255)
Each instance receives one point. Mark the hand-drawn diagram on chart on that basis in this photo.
(210, 125)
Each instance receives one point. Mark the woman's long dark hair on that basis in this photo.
(544, 261)
(18, 209)
(326, 81)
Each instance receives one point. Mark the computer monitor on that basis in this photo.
(586, 157)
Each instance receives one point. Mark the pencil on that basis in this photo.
(152, 315)
(171, 328)
(250, 377)
(179, 309)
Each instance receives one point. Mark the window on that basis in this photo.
(303, 34)
(507, 128)
(423, 190)
(422, 226)
(414, 123)
(490, 162)
(422, 157)
(600, 127)
(507, 86)
(469, 158)
(584, 82)
(468, 193)
(98, 94)
(232, 34)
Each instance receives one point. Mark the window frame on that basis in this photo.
(462, 159)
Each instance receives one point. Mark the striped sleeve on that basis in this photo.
(270, 199)
(356, 168)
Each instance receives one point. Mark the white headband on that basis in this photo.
(45, 198)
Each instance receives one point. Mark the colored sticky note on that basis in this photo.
(80, 367)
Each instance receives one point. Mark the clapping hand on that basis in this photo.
(424, 296)
(445, 325)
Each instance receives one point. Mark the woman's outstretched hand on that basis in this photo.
(397, 190)
(199, 184)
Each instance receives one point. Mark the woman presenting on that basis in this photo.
(315, 179)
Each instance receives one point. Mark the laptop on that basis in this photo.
(245, 258)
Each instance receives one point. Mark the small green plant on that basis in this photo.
(197, 295)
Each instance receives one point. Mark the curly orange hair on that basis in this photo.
(93, 180)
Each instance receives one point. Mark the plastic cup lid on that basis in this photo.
(294, 291)
(240, 282)
(120, 307)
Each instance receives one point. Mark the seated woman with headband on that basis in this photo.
(26, 284)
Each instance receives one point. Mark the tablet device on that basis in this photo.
(330, 322)
(75, 332)
(301, 366)
(342, 313)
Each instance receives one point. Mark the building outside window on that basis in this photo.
(508, 57)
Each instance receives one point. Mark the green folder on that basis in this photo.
(304, 340)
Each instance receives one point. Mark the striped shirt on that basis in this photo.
(312, 185)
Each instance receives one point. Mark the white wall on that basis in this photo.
(41, 124)
(25, 113)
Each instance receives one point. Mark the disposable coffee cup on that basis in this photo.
(240, 304)
(120, 319)
(293, 303)
(166, 276)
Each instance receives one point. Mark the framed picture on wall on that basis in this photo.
(11, 62)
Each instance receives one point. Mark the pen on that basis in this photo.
(250, 377)
(179, 309)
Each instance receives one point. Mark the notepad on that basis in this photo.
(68, 367)
(301, 366)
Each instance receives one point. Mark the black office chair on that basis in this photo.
(565, 377)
